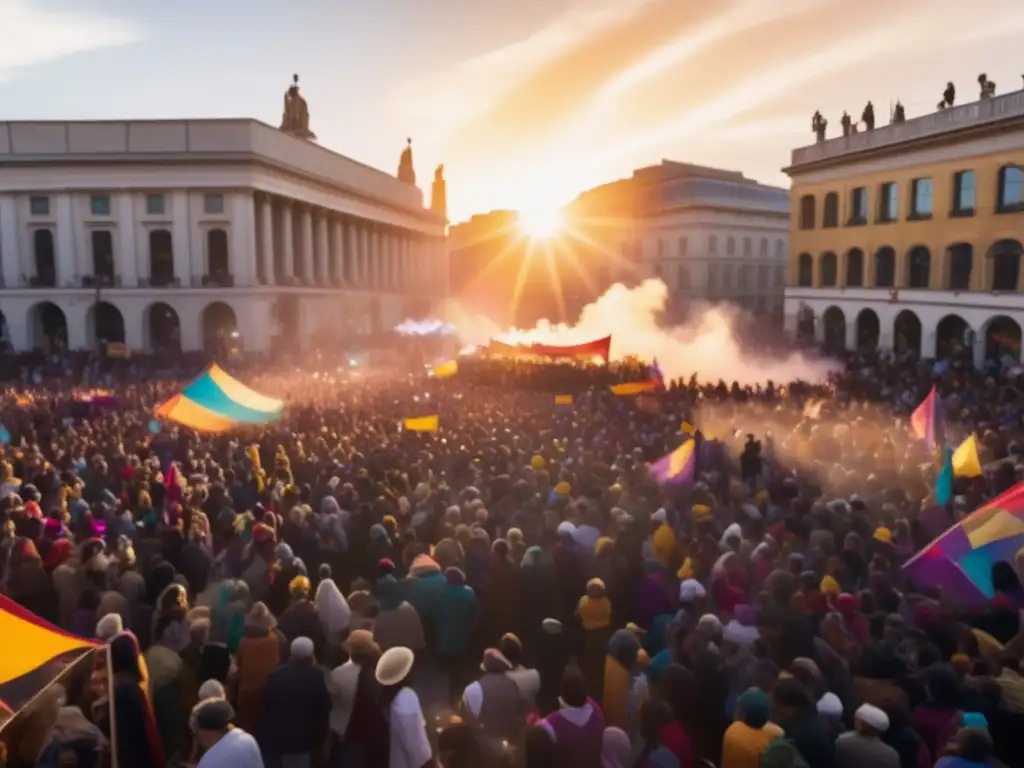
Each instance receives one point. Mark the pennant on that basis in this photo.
(563, 399)
(924, 420)
(944, 481)
(445, 370)
(677, 466)
(634, 388)
(421, 424)
(966, 462)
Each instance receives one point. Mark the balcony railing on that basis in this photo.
(221, 280)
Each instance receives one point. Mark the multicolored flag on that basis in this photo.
(925, 420)
(966, 461)
(677, 466)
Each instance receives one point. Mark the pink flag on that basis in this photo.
(923, 420)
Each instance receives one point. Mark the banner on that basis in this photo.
(587, 351)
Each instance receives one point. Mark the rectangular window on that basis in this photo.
(859, 205)
(747, 247)
(764, 246)
(99, 205)
(155, 205)
(730, 246)
(763, 276)
(712, 277)
(39, 205)
(661, 247)
(727, 276)
(684, 246)
(213, 204)
(712, 244)
(889, 202)
(963, 193)
(1011, 188)
(921, 198)
(684, 278)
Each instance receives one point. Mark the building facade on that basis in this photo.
(176, 233)
(712, 236)
(908, 236)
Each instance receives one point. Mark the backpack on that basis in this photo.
(782, 753)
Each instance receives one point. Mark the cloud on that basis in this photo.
(31, 35)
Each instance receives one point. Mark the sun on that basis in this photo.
(541, 223)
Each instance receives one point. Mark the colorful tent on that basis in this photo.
(33, 655)
(215, 402)
(960, 560)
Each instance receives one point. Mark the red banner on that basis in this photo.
(599, 348)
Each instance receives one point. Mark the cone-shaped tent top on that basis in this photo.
(216, 402)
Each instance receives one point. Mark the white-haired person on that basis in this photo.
(863, 745)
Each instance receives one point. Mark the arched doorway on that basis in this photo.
(834, 326)
(885, 267)
(164, 328)
(217, 253)
(161, 258)
(1002, 338)
(919, 267)
(961, 263)
(1005, 257)
(868, 329)
(106, 324)
(829, 270)
(49, 327)
(855, 268)
(906, 332)
(43, 253)
(951, 336)
(220, 328)
(805, 322)
(805, 271)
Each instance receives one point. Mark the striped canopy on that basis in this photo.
(216, 402)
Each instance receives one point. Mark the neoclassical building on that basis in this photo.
(909, 235)
(179, 232)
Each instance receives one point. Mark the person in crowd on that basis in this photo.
(408, 745)
(343, 683)
(493, 702)
(296, 709)
(577, 727)
(752, 731)
(223, 744)
(259, 654)
(863, 745)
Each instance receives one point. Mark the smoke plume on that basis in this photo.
(708, 347)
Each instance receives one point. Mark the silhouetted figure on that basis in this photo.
(899, 115)
(295, 119)
(819, 125)
(868, 116)
(988, 88)
(847, 124)
(948, 96)
(406, 171)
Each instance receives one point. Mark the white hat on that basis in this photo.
(552, 626)
(660, 516)
(873, 717)
(830, 705)
(302, 648)
(709, 622)
(565, 528)
(691, 590)
(394, 666)
(109, 626)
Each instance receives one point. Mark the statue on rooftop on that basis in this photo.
(295, 119)
(988, 88)
(899, 115)
(948, 96)
(406, 171)
(439, 173)
(847, 122)
(868, 116)
(819, 125)
(439, 193)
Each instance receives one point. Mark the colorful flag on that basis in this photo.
(924, 420)
(944, 481)
(563, 399)
(677, 466)
(634, 388)
(966, 462)
(688, 429)
(445, 370)
(421, 424)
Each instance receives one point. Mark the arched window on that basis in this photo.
(217, 253)
(829, 270)
(805, 271)
(919, 267)
(161, 258)
(830, 215)
(807, 213)
(45, 259)
(1011, 188)
(885, 267)
(1005, 257)
(855, 268)
(961, 264)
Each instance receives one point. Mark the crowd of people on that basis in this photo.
(514, 589)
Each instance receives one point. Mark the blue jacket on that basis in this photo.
(455, 619)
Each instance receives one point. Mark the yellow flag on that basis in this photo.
(966, 462)
(563, 399)
(421, 424)
(688, 429)
(634, 387)
(445, 370)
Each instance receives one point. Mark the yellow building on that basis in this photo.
(909, 235)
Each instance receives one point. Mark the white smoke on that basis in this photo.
(424, 327)
(707, 347)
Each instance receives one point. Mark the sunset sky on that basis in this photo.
(526, 102)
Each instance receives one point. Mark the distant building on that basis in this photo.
(160, 234)
(908, 236)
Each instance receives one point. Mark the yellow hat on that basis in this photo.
(700, 510)
(563, 489)
(883, 535)
(830, 586)
(299, 584)
(537, 462)
(762, 497)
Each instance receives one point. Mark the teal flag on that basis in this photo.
(944, 482)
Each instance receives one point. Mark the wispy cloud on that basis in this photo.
(30, 35)
(446, 100)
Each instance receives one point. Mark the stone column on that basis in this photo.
(363, 261)
(338, 251)
(351, 253)
(306, 245)
(376, 259)
(390, 259)
(287, 241)
(323, 253)
(267, 241)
